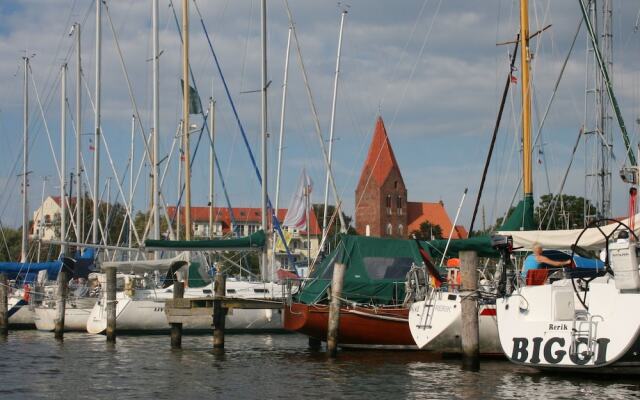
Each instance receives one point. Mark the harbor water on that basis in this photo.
(34, 365)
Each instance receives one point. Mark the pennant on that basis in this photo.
(514, 79)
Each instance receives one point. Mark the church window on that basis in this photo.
(399, 205)
(389, 229)
(388, 204)
(395, 184)
(400, 230)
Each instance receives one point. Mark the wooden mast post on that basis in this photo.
(469, 311)
(176, 327)
(111, 304)
(525, 57)
(61, 300)
(219, 312)
(334, 308)
(4, 305)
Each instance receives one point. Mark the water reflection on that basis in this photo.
(35, 365)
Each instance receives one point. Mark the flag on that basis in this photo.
(296, 217)
(194, 99)
(280, 246)
(514, 79)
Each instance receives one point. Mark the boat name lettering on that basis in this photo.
(555, 349)
(443, 308)
(558, 327)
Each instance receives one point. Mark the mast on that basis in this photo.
(185, 118)
(155, 209)
(281, 136)
(97, 137)
(79, 236)
(526, 99)
(333, 123)
(212, 155)
(263, 148)
(63, 159)
(131, 163)
(25, 162)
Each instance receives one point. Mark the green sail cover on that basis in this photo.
(479, 244)
(255, 240)
(196, 278)
(521, 219)
(375, 270)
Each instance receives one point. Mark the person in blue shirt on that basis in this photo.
(537, 260)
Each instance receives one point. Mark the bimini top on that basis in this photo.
(253, 241)
(27, 272)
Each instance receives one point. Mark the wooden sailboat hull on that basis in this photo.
(361, 327)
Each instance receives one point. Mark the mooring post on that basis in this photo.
(219, 312)
(61, 301)
(4, 305)
(111, 305)
(469, 310)
(176, 327)
(334, 308)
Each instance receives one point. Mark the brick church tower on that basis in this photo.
(381, 196)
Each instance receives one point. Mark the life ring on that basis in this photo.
(26, 292)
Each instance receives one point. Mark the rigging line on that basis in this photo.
(44, 121)
(111, 164)
(505, 92)
(274, 217)
(314, 112)
(128, 81)
(415, 65)
(404, 50)
(554, 200)
(204, 125)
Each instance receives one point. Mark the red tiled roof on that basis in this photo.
(241, 215)
(435, 213)
(72, 200)
(380, 159)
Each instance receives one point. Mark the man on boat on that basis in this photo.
(539, 260)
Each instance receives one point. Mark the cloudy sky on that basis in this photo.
(430, 68)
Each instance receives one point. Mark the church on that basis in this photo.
(382, 207)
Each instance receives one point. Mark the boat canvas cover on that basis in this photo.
(375, 272)
(521, 219)
(142, 266)
(479, 244)
(253, 241)
(27, 272)
(592, 239)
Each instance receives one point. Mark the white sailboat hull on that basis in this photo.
(547, 327)
(439, 329)
(144, 312)
(76, 314)
(20, 312)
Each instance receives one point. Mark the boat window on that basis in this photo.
(387, 267)
(261, 290)
(208, 291)
(231, 290)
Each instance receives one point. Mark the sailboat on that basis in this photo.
(144, 286)
(579, 321)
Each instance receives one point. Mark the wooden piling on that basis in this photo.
(4, 305)
(111, 304)
(63, 283)
(334, 308)
(219, 312)
(469, 310)
(176, 327)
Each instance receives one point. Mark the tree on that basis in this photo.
(427, 231)
(334, 229)
(11, 244)
(569, 211)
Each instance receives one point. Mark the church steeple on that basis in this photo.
(381, 195)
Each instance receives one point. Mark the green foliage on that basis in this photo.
(427, 231)
(569, 212)
(11, 240)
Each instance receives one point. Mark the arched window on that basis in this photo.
(388, 204)
(399, 205)
(400, 230)
(389, 229)
(367, 230)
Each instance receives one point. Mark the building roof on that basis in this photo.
(380, 159)
(436, 214)
(240, 214)
(72, 200)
